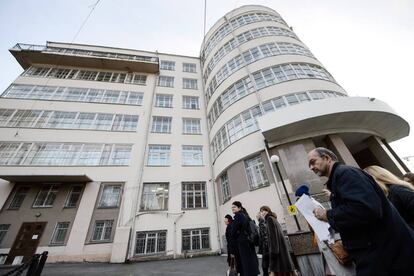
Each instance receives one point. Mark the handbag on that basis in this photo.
(232, 269)
(340, 252)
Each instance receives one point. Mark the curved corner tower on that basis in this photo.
(267, 94)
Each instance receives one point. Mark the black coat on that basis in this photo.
(231, 244)
(248, 264)
(279, 257)
(403, 200)
(263, 244)
(372, 231)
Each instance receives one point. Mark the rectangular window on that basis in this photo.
(192, 155)
(73, 197)
(46, 196)
(256, 173)
(195, 239)
(135, 98)
(139, 79)
(166, 81)
(189, 83)
(120, 155)
(3, 231)
(191, 126)
(59, 235)
(152, 242)
(102, 230)
(18, 197)
(189, 67)
(110, 197)
(167, 65)
(125, 123)
(85, 121)
(159, 155)
(163, 100)
(190, 102)
(161, 124)
(154, 196)
(193, 195)
(225, 187)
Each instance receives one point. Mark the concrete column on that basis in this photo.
(82, 221)
(337, 145)
(384, 156)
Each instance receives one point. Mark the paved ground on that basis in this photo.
(206, 266)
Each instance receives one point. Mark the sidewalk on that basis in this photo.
(206, 266)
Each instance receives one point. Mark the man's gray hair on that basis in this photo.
(325, 152)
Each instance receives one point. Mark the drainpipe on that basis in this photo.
(175, 233)
(130, 252)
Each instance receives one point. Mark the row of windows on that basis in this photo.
(162, 124)
(101, 54)
(154, 242)
(256, 177)
(54, 93)
(264, 78)
(90, 75)
(235, 23)
(159, 155)
(67, 120)
(252, 55)
(243, 38)
(110, 196)
(170, 65)
(168, 81)
(155, 196)
(246, 122)
(64, 154)
(74, 94)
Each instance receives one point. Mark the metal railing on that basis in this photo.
(34, 266)
(81, 52)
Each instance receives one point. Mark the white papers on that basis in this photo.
(306, 205)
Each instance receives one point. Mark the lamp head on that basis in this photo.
(274, 158)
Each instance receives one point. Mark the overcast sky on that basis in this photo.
(366, 45)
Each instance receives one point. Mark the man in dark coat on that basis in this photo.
(372, 231)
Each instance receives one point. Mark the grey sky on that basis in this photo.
(366, 45)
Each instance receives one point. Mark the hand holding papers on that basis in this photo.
(306, 205)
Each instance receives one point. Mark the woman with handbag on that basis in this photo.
(280, 262)
(246, 261)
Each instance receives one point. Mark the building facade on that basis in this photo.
(111, 154)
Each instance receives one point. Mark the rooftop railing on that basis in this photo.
(80, 52)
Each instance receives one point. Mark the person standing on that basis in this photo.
(372, 231)
(399, 192)
(280, 262)
(248, 264)
(263, 244)
(231, 246)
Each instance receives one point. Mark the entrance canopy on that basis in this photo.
(333, 115)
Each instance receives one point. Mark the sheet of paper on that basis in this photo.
(306, 205)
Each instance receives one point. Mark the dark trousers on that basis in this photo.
(265, 264)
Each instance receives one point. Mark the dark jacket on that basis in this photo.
(372, 231)
(248, 264)
(279, 257)
(264, 245)
(231, 244)
(403, 200)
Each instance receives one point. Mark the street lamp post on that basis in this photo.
(275, 159)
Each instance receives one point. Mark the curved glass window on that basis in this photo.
(264, 78)
(235, 23)
(246, 122)
(243, 38)
(252, 55)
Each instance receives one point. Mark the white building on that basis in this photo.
(111, 154)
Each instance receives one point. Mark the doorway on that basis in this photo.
(26, 241)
